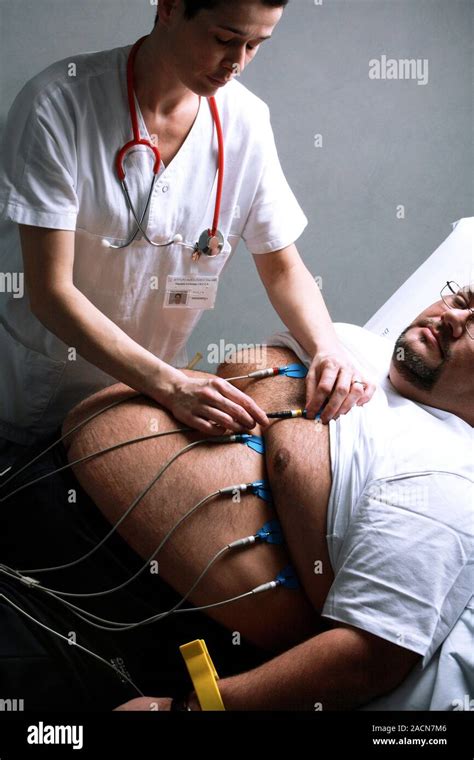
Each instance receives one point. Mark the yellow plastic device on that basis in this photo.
(203, 674)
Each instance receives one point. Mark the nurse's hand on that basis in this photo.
(212, 405)
(332, 376)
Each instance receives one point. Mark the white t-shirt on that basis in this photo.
(59, 149)
(400, 530)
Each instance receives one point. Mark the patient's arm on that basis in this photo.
(339, 669)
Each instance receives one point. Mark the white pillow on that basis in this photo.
(453, 260)
(369, 352)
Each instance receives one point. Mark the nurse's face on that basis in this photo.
(435, 354)
(209, 49)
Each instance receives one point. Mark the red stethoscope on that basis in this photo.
(211, 241)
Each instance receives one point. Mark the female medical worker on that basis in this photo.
(94, 314)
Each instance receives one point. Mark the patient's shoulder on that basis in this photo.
(93, 406)
(371, 352)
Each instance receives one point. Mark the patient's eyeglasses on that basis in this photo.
(455, 298)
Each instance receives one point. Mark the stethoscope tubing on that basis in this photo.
(138, 140)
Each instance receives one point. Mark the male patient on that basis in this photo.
(376, 511)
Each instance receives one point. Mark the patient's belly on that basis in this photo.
(299, 470)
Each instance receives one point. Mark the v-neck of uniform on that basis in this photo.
(190, 137)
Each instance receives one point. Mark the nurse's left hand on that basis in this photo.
(332, 376)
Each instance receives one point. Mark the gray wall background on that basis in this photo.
(385, 143)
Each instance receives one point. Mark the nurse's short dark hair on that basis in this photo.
(192, 7)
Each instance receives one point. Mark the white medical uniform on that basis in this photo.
(62, 136)
(401, 529)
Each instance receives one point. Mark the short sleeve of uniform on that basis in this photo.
(404, 572)
(39, 166)
(276, 219)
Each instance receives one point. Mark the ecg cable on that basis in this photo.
(83, 648)
(255, 487)
(90, 456)
(62, 438)
(234, 438)
(287, 577)
(290, 370)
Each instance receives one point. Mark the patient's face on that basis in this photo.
(435, 354)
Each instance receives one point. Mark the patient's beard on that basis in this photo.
(412, 367)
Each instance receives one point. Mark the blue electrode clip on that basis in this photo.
(271, 533)
(288, 578)
(256, 443)
(261, 489)
(293, 370)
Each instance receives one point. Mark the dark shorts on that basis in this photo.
(54, 522)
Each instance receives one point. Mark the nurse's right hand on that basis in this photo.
(211, 405)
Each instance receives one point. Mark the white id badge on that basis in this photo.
(190, 292)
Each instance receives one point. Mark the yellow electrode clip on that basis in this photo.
(203, 674)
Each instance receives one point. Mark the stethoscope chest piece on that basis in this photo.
(210, 245)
